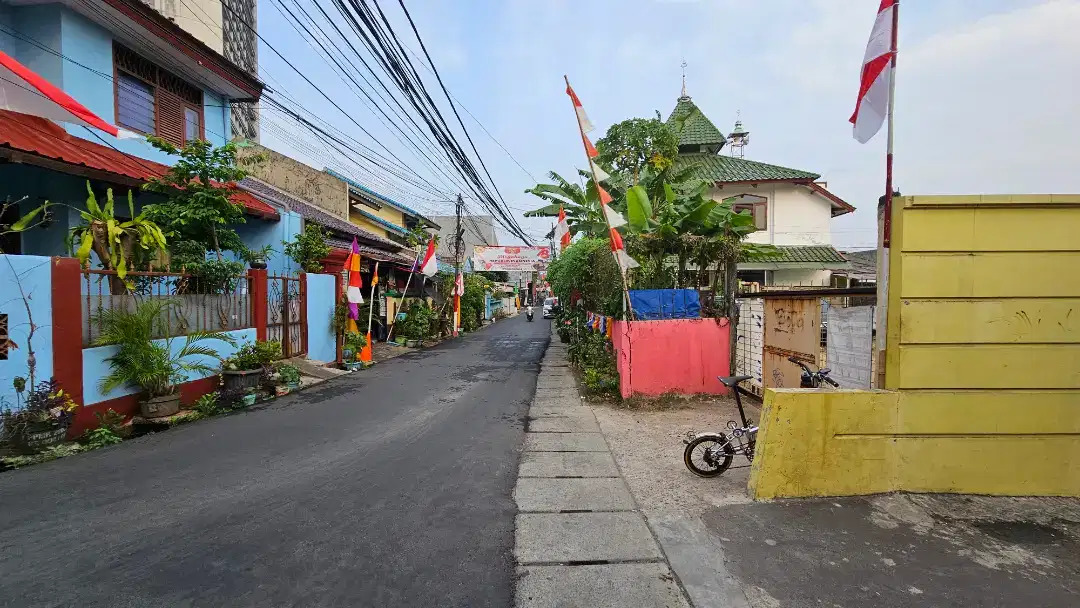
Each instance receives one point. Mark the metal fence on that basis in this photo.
(200, 305)
(837, 325)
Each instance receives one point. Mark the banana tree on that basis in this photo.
(582, 204)
(116, 242)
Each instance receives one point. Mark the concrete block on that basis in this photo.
(556, 383)
(564, 424)
(543, 401)
(598, 586)
(565, 442)
(550, 538)
(538, 494)
(567, 464)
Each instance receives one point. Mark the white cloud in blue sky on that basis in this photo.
(985, 102)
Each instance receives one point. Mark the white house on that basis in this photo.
(792, 208)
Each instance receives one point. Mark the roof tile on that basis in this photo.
(692, 126)
(717, 168)
(823, 254)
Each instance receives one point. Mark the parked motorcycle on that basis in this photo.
(529, 313)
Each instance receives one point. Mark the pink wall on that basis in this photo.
(678, 355)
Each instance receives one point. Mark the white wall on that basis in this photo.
(201, 18)
(797, 216)
(800, 276)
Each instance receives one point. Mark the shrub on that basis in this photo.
(253, 355)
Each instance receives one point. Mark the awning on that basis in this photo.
(403, 258)
(41, 142)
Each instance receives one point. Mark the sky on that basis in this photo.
(985, 100)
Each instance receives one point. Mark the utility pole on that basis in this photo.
(459, 246)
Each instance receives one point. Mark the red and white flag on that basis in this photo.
(459, 285)
(877, 73)
(430, 265)
(614, 218)
(23, 91)
(562, 230)
(582, 117)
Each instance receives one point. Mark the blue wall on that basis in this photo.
(322, 345)
(95, 367)
(257, 233)
(78, 39)
(35, 275)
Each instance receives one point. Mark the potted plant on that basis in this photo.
(42, 422)
(353, 343)
(248, 397)
(290, 376)
(249, 365)
(150, 364)
(256, 258)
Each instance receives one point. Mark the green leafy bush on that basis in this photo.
(417, 324)
(308, 248)
(209, 405)
(100, 437)
(288, 374)
(253, 355)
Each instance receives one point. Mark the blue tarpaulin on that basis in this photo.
(652, 304)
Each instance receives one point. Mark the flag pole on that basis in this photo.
(408, 281)
(887, 229)
(879, 381)
(596, 182)
(365, 353)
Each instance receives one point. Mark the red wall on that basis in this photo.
(679, 355)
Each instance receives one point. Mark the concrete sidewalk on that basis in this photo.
(580, 540)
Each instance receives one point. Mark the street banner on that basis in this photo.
(511, 259)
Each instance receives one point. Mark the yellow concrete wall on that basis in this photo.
(317, 187)
(368, 225)
(982, 364)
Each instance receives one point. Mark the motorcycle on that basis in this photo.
(529, 313)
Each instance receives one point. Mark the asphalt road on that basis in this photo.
(389, 487)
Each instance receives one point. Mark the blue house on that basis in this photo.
(134, 68)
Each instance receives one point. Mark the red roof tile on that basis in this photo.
(41, 137)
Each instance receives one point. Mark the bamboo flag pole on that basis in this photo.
(416, 262)
(627, 308)
(365, 353)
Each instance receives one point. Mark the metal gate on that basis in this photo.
(286, 314)
(792, 329)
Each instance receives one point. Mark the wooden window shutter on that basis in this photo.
(170, 117)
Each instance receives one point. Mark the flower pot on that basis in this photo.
(347, 354)
(247, 399)
(156, 407)
(239, 380)
(281, 390)
(412, 343)
(37, 439)
(292, 386)
(258, 264)
(352, 366)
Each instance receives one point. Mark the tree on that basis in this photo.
(632, 145)
(198, 206)
(582, 205)
(119, 244)
(308, 248)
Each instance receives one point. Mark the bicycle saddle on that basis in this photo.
(730, 381)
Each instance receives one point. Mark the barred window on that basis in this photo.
(151, 100)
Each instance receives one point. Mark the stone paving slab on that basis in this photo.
(567, 464)
(538, 494)
(560, 424)
(573, 537)
(557, 409)
(564, 383)
(598, 586)
(560, 390)
(565, 442)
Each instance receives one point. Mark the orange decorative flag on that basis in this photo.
(562, 230)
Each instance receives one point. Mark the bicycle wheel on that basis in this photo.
(708, 455)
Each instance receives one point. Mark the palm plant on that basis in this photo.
(582, 204)
(151, 365)
(116, 242)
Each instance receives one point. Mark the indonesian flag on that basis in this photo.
(876, 78)
(459, 285)
(619, 251)
(562, 230)
(582, 117)
(352, 292)
(430, 265)
(23, 91)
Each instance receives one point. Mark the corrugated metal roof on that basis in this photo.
(362, 190)
(41, 137)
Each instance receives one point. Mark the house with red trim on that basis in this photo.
(792, 208)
